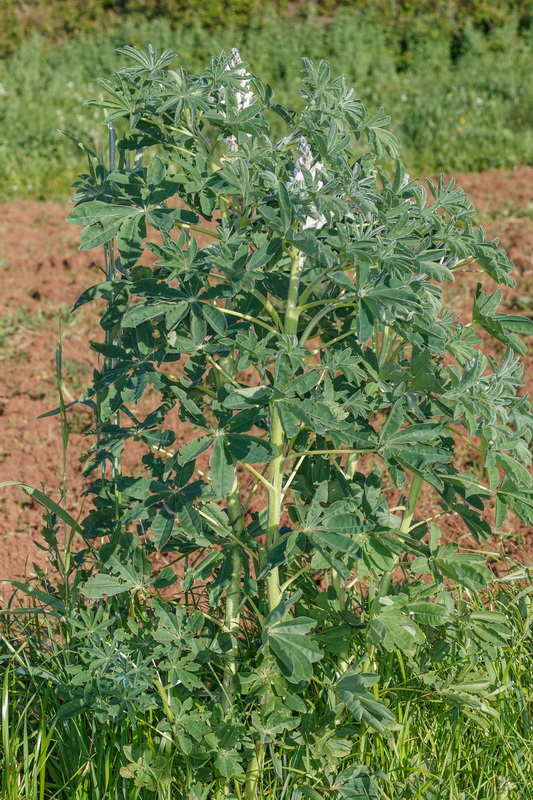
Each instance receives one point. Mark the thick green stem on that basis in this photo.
(336, 580)
(277, 436)
(253, 772)
(405, 525)
(227, 370)
(233, 596)
(277, 439)
(293, 311)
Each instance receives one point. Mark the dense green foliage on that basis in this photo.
(306, 354)
(470, 736)
(57, 19)
(463, 108)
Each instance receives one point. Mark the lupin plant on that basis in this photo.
(294, 319)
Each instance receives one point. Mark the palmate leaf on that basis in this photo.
(294, 650)
(124, 576)
(352, 689)
(394, 630)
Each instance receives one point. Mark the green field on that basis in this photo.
(460, 107)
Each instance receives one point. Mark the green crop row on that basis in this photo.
(464, 112)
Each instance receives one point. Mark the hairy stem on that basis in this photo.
(292, 313)
(253, 772)
(277, 439)
(227, 371)
(277, 436)
(233, 596)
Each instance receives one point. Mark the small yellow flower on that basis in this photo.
(519, 119)
(462, 121)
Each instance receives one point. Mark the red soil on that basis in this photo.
(42, 275)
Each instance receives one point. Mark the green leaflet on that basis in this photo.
(222, 469)
(142, 312)
(96, 235)
(500, 326)
(103, 585)
(193, 448)
(426, 613)
(249, 449)
(131, 235)
(98, 211)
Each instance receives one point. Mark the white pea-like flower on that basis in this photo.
(243, 96)
(305, 161)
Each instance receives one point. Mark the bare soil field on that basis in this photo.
(42, 274)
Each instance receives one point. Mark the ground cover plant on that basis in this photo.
(458, 103)
(290, 380)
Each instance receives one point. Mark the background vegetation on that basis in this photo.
(56, 19)
(453, 76)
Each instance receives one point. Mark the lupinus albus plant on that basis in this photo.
(294, 319)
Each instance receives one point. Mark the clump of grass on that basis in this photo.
(465, 734)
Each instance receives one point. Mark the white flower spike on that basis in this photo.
(305, 161)
(243, 95)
